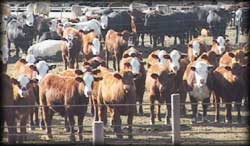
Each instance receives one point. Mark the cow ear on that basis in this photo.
(23, 61)
(24, 16)
(166, 56)
(127, 64)
(215, 42)
(34, 81)
(118, 76)
(183, 55)
(86, 63)
(52, 67)
(33, 67)
(119, 34)
(192, 68)
(96, 71)
(155, 56)
(228, 68)
(231, 54)
(78, 72)
(14, 81)
(125, 56)
(155, 76)
(204, 56)
(79, 79)
(98, 79)
(81, 31)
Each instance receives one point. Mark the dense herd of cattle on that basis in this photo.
(216, 71)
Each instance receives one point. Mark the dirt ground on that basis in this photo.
(144, 133)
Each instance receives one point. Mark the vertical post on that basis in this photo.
(175, 109)
(98, 134)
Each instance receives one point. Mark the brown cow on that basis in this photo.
(198, 83)
(136, 66)
(132, 52)
(23, 96)
(116, 43)
(195, 48)
(67, 91)
(156, 57)
(121, 89)
(220, 45)
(91, 44)
(228, 86)
(70, 53)
(159, 86)
(7, 99)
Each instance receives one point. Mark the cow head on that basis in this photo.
(30, 59)
(43, 68)
(27, 19)
(132, 64)
(219, 43)
(201, 70)
(104, 21)
(96, 46)
(195, 46)
(174, 60)
(127, 79)
(23, 84)
(4, 54)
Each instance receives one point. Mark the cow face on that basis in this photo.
(70, 41)
(127, 80)
(133, 65)
(23, 84)
(220, 43)
(4, 54)
(53, 25)
(43, 68)
(163, 56)
(174, 61)
(88, 80)
(195, 48)
(96, 45)
(201, 70)
(104, 21)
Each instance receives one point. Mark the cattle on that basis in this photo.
(116, 43)
(23, 96)
(67, 91)
(4, 53)
(122, 91)
(159, 85)
(230, 79)
(117, 21)
(47, 48)
(241, 20)
(53, 35)
(94, 62)
(133, 52)
(136, 66)
(20, 32)
(195, 48)
(39, 8)
(70, 54)
(198, 83)
(219, 45)
(7, 99)
(91, 44)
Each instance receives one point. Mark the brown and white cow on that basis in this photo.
(220, 45)
(228, 86)
(195, 48)
(67, 91)
(160, 84)
(116, 43)
(122, 90)
(198, 82)
(24, 95)
(136, 66)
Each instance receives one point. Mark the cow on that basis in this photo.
(159, 84)
(68, 91)
(220, 45)
(122, 91)
(70, 54)
(7, 98)
(117, 21)
(23, 96)
(4, 53)
(198, 83)
(133, 52)
(94, 62)
(195, 48)
(20, 32)
(136, 66)
(116, 43)
(230, 78)
(38, 8)
(91, 44)
(241, 20)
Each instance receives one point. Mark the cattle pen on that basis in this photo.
(180, 131)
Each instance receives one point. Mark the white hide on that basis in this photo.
(104, 21)
(30, 58)
(23, 80)
(96, 46)
(43, 68)
(135, 64)
(161, 57)
(221, 41)
(88, 80)
(196, 48)
(46, 48)
(175, 60)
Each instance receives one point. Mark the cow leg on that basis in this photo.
(95, 110)
(70, 115)
(42, 123)
(32, 125)
(47, 113)
(204, 106)
(116, 121)
(217, 109)
(175, 40)
(238, 104)
(103, 114)
(66, 123)
(9, 45)
(155, 40)
(150, 38)
(92, 109)
(114, 63)
(142, 39)
(118, 61)
(80, 125)
(152, 114)
(11, 124)
(65, 62)
(162, 38)
(77, 61)
(237, 35)
(130, 122)
(140, 108)
(228, 118)
(23, 132)
(168, 108)
(183, 100)
(194, 108)
(159, 112)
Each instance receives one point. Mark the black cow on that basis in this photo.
(118, 21)
(242, 21)
(51, 35)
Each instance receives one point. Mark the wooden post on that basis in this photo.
(175, 109)
(98, 133)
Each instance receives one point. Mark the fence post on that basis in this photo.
(98, 134)
(175, 109)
